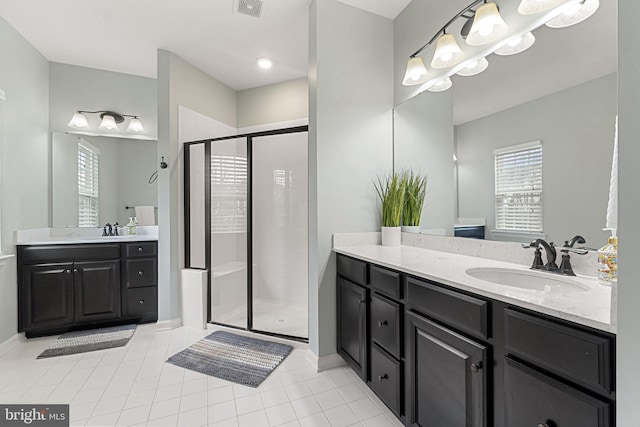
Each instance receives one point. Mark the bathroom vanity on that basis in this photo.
(443, 350)
(81, 284)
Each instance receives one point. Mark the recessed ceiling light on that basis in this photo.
(265, 63)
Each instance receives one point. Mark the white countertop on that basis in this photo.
(590, 307)
(90, 239)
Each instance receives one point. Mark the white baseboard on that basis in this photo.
(10, 342)
(325, 362)
(167, 325)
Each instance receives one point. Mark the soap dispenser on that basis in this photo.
(608, 262)
(131, 227)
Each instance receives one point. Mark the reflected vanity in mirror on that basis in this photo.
(562, 92)
(94, 179)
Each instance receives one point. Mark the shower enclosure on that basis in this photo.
(246, 210)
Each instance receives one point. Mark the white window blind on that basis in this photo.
(518, 177)
(88, 186)
(228, 193)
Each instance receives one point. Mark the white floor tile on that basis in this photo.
(306, 406)
(134, 416)
(231, 422)
(193, 401)
(316, 420)
(274, 397)
(195, 418)
(378, 421)
(364, 408)
(139, 399)
(81, 411)
(298, 390)
(107, 406)
(164, 408)
(320, 384)
(194, 386)
(221, 411)
(170, 421)
(280, 414)
(254, 419)
(329, 399)
(104, 420)
(167, 392)
(220, 394)
(351, 392)
(341, 416)
(250, 403)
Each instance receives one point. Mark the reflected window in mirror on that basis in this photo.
(518, 191)
(88, 184)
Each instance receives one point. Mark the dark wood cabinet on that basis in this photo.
(79, 286)
(97, 290)
(447, 381)
(439, 356)
(46, 293)
(352, 325)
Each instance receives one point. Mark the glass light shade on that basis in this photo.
(416, 72)
(574, 14)
(517, 44)
(441, 86)
(448, 53)
(108, 123)
(530, 7)
(488, 25)
(78, 121)
(135, 126)
(474, 67)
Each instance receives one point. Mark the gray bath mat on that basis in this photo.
(243, 360)
(91, 340)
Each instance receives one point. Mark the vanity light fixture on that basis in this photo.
(488, 26)
(448, 53)
(516, 44)
(575, 13)
(109, 121)
(416, 72)
(441, 85)
(474, 67)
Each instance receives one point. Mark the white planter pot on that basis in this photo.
(391, 236)
(411, 229)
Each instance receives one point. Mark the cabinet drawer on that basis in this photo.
(386, 379)
(142, 272)
(533, 399)
(352, 269)
(385, 324)
(140, 249)
(55, 253)
(572, 353)
(461, 311)
(385, 281)
(142, 301)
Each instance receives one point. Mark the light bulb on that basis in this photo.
(416, 72)
(264, 63)
(108, 123)
(135, 126)
(514, 41)
(78, 121)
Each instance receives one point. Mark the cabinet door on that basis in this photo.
(446, 377)
(533, 399)
(46, 295)
(352, 325)
(97, 289)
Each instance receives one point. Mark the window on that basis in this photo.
(518, 172)
(88, 188)
(228, 193)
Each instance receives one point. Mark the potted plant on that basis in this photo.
(414, 193)
(391, 191)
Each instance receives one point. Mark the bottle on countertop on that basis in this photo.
(608, 262)
(131, 227)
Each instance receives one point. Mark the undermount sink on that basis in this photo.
(528, 279)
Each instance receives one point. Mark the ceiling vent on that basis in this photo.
(250, 7)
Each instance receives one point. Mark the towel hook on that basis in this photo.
(163, 164)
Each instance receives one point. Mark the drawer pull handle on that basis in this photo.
(141, 301)
(543, 425)
(382, 377)
(75, 270)
(140, 273)
(67, 271)
(475, 368)
(140, 249)
(383, 323)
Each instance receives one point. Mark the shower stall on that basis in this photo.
(246, 210)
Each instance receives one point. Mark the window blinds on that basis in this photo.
(518, 180)
(228, 193)
(88, 188)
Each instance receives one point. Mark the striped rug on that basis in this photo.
(242, 360)
(91, 340)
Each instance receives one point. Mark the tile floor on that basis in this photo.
(133, 386)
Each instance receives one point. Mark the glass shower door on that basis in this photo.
(280, 234)
(229, 232)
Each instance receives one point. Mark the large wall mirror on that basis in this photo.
(95, 179)
(562, 92)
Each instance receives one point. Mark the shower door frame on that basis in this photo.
(248, 137)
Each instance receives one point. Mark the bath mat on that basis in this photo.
(242, 360)
(91, 340)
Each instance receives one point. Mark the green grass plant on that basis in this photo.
(415, 185)
(391, 191)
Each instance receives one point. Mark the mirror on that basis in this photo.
(125, 178)
(562, 91)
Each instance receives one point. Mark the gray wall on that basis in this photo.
(628, 344)
(180, 83)
(24, 76)
(576, 127)
(80, 88)
(423, 141)
(350, 138)
(273, 103)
